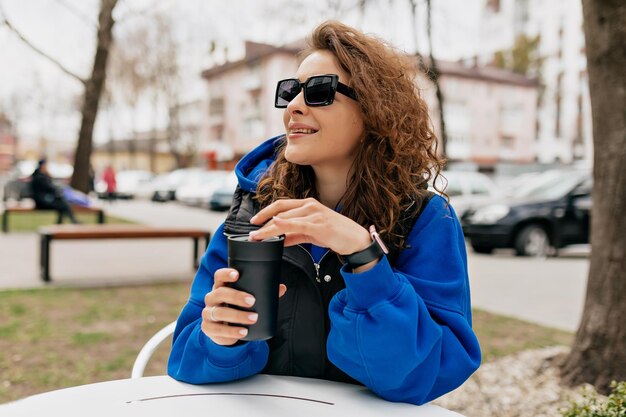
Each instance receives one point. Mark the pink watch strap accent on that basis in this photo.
(375, 236)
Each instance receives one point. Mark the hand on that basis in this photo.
(219, 321)
(309, 221)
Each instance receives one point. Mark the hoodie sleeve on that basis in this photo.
(406, 333)
(194, 357)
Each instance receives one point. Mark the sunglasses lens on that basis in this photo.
(319, 91)
(286, 91)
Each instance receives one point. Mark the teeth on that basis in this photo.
(305, 131)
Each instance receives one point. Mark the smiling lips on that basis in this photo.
(303, 131)
(297, 129)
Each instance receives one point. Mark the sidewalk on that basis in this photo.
(548, 292)
(108, 262)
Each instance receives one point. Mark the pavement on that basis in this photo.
(545, 291)
(99, 263)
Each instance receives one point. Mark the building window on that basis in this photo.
(216, 106)
(493, 5)
(507, 142)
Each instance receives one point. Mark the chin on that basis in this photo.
(296, 156)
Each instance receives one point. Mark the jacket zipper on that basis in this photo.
(316, 264)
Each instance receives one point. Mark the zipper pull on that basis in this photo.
(317, 272)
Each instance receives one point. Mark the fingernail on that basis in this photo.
(253, 317)
(249, 300)
(252, 219)
(243, 332)
(233, 274)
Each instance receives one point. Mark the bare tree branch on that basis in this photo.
(8, 24)
(78, 13)
(154, 5)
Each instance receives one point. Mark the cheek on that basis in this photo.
(285, 119)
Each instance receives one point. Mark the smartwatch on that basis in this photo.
(372, 253)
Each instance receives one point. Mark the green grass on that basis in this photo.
(29, 222)
(60, 337)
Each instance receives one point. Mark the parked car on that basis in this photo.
(222, 198)
(128, 182)
(198, 188)
(17, 186)
(551, 212)
(164, 187)
(467, 189)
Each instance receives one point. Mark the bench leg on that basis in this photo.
(44, 258)
(101, 219)
(5, 221)
(196, 264)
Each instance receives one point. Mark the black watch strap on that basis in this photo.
(372, 253)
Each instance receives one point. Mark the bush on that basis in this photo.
(592, 406)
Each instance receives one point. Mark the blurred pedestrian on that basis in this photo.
(47, 195)
(108, 176)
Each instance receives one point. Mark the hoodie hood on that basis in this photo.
(253, 165)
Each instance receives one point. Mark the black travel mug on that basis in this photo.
(258, 264)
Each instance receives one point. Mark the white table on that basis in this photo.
(258, 396)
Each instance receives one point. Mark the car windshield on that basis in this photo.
(550, 185)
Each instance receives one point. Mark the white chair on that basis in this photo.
(148, 349)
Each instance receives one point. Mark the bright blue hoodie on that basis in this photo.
(404, 331)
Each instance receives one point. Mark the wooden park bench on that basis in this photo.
(113, 231)
(30, 209)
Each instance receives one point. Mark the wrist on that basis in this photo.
(365, 267)
(363, 241)
(367, 257)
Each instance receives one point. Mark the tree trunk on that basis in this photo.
(598, 355)
(433, 73)
(93, 91)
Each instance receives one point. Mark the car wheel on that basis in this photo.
(482, 248)
(532, 240)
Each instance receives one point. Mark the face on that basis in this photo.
(326, 136)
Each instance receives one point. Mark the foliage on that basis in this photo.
(593, 406)
(523, 57)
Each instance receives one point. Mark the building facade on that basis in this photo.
(564, 128)
(8, 145)
(490, 113)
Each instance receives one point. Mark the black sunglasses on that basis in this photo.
(319, 90)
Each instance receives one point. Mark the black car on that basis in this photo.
(551, 212)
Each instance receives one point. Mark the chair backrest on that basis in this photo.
(148, 349)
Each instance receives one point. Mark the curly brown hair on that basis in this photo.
(399, 153)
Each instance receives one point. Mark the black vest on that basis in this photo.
(299, 347)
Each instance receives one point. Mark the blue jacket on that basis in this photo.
(404, 331)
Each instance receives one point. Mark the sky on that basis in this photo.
(45, 101)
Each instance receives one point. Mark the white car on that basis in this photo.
(198, 188)
(165, 186)
(129, 183)
(467, 189)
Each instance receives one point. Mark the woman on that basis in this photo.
(351, 170)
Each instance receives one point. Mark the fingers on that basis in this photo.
(220, 321)
(281, 206)
(223, 276)
(221, 333)
(225, 314)
(227, 295)
(278, 226)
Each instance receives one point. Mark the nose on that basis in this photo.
(297, 105)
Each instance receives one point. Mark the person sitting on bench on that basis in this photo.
(47, 196)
